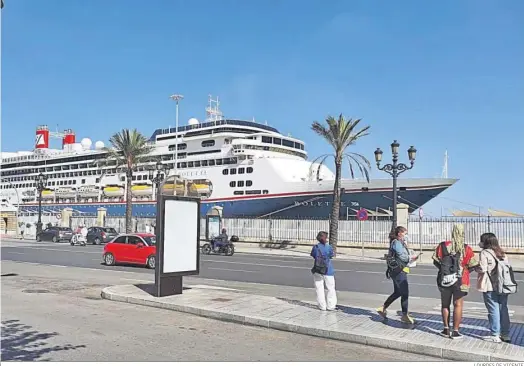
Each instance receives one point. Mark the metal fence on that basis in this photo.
(510, 231)
(425, 233)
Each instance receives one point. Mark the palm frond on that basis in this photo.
(321, 164)
(128, 148)
(322, 159)
(341, 133)
(363, 166)
(325, 133)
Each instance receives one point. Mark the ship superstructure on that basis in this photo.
(247, 168)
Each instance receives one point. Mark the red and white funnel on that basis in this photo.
(68, 139)
(42, 137)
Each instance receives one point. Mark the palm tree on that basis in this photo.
(340, 134)
(128, 148)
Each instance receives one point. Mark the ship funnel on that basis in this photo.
(68, 139)
(42, 137)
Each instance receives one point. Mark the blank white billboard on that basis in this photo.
(181, 224)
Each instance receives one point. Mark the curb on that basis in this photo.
(374, 341)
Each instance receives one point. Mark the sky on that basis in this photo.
(441, 75)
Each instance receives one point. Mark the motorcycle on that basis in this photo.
(78, 239)
(217, 246)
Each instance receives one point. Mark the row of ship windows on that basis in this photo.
(51, 183)
(265, 139)
(183, 146)
(240, 183)
(203, 163)
(72, 182)
(233, 171)
(258, 191)
(66, 161)
(190, 164)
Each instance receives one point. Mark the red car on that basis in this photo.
(131, 248)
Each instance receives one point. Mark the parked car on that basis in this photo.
(131, 248)
(55, 234)
(98, 235)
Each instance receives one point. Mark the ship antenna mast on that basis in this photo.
(213, 113)
(445, 167)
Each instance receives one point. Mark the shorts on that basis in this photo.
(447, 293)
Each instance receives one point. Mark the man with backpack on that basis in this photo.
(496, 282)
(324, 273)
(454, 260)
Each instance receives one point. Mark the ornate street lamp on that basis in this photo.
(395, 170)
(41, 183)
(161, 171)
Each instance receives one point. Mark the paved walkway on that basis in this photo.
(352, 324)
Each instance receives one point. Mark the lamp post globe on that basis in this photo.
(378, 155)
(394, 147)
(412, 153)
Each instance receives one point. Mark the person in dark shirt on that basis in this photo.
(223, 238)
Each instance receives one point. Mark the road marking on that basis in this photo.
(233, 270)
(16, 253)
(62, 250)
(295, 267)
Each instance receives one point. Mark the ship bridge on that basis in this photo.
(205, 128)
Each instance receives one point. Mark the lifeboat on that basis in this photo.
(113, 190)
(30, 193)
(204, 187)
(48, 193)
(142, 190)
(88, 191)
(65, 192)
(201, 188)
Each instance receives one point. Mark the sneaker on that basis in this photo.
(407, 319)
(456, 334)
(445, 333)
(382, 312)
(494, 339)
(505, 339)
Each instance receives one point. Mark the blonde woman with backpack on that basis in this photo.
(496, 303)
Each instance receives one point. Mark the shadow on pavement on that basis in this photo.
(150, 288)
(428, 323)
(21, 343)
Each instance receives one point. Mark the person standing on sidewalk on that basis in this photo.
(324, 273)
(496, 304)
(454, 260)
(398, 260)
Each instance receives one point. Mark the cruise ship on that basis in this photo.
(245, 168)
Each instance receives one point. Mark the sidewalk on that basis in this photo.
(352, 324)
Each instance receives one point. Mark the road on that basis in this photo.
(54, 313)
(363, 277)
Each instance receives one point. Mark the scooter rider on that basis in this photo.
(83, 232)
(223, 238)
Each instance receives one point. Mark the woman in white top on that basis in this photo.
(496, 304)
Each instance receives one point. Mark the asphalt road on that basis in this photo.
(365, 277)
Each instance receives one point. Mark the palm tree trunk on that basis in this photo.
(129, 201)
(335, 210)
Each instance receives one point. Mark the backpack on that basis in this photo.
(503, 280)
(320, 265)
(394, 264)
(449, 267)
